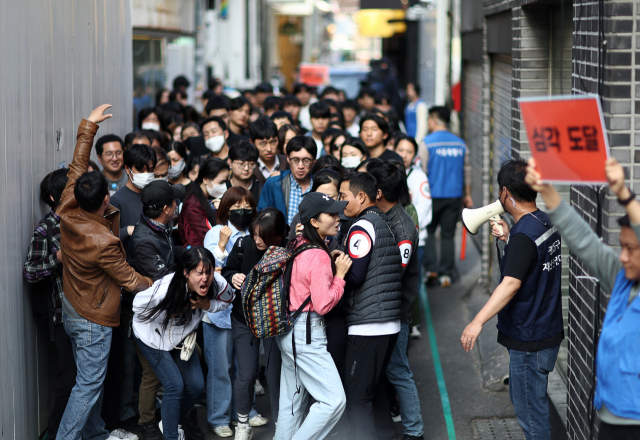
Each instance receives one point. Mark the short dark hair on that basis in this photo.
(511, 176)
(416, 87)
(191, 124)
(356, 143)
(379, 120)
(244, 151)
(264, 87)
(291, 100)
(327, 161)
(382, 96)
(107, 138)
(364, 182)
(367, 91)
(53, 185)
(272, 226)
(178, 147)
(208, 94)
(300, 142)
(132, 137)
(217, 119)
(153, 135)
(369, 162)
(91, 189)
(142, 115)
(319, 110)
(328, 90)
(263, 128)
(181, 81)
(390, 180)
(139, 156)
(441, 113)
(233, 195)
(238, 103)
(300, 87)
(325, 176)
(216, 103)
(272, 103)
(282, 114)
(352, 104)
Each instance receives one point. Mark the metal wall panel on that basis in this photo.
(58, 60)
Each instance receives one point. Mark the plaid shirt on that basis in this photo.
(40, 265)
(295, 197)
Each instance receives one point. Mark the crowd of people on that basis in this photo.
(148, 253)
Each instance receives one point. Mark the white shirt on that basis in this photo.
(421, 198)
(265, 171)
(151, 333)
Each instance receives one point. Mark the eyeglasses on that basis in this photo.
(243, 165)
(296, 161)
(110, 154)
(271, 143)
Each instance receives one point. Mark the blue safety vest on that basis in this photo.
(535, 312)
(446, 164)
(618, 357)
(411, 118)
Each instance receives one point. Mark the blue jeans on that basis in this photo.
(528, 378)
(400, 375)
(223, 364)
(183, 384)
(315, 374)
(90, 343)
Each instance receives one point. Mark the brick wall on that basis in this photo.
(588, 303)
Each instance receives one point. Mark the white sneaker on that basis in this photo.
(223, 431)
(121, 434)
(244, 432)
(259, 388)
(415, 333)
(257, 420)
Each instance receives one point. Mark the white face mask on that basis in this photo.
(351, 161)
(217, 191)
(176, 170)
(215, 143)
(140, 180)
(151, 126)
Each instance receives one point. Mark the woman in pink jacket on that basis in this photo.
(317, 284)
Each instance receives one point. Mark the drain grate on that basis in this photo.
(498, 429)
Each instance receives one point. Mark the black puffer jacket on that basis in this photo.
(405, 231)
(153, 252)
(378, 299)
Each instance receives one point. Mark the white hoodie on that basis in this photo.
(151, 332)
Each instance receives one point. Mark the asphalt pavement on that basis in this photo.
(455, 405)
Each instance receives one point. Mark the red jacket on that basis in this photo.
(193, 224)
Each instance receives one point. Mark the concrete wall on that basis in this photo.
(58, 60)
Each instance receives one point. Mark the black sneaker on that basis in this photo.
(190, 426)
(149, 431)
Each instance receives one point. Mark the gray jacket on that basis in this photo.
(406, 233)
(379, 297)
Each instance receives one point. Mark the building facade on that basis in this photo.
(58, 61)
(521, 48)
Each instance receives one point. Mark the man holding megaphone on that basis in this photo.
(527, 300)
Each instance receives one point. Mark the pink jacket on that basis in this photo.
(311, 274)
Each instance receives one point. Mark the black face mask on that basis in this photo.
(241, 217)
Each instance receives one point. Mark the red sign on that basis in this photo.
(567, 137)
(314, 75)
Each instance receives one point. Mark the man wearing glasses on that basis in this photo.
(285, 191)
(264, 135)
(243, 158)
(109, 149)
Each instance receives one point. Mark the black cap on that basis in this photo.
(314, 203)
(159, 193)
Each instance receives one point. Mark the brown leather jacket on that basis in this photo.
(93, 258)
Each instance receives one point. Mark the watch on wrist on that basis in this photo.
(628, 200)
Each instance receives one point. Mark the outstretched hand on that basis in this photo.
(97, 115)
(615, 177)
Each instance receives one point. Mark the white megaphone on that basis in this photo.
(472, 219)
